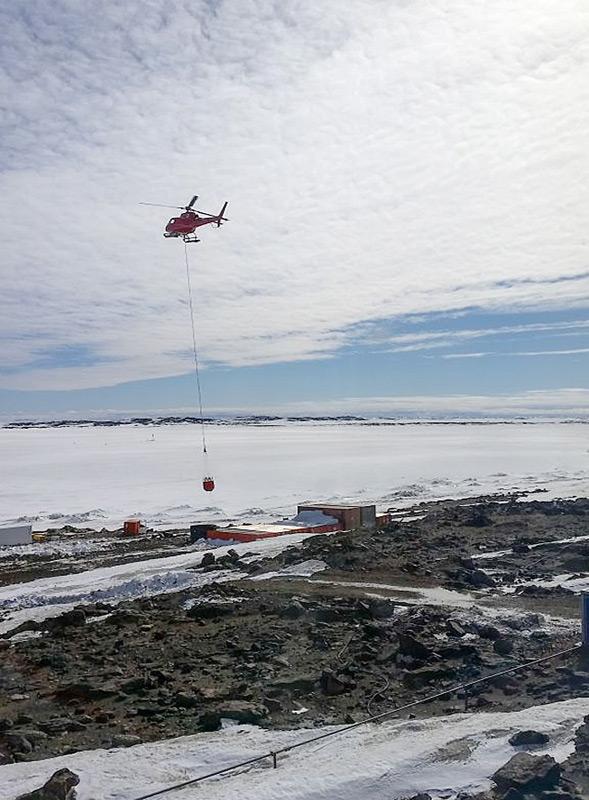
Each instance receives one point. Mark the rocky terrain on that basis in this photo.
(181, 663)
(488, 544)
(312, 651)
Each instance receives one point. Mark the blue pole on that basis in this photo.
(585, 618)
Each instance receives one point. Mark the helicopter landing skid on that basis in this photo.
(190, 239)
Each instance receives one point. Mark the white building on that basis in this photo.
(17, 534)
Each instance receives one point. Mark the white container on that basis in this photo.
(17, 534)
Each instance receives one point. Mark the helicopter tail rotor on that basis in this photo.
(221, 217)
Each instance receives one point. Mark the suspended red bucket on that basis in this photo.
(208, 484)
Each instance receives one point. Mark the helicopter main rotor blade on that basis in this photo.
(206, 214)
(192, 202)
(159, 205)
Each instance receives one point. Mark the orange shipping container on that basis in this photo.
(132, 527)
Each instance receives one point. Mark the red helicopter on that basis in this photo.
(189, 221)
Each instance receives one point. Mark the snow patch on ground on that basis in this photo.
(47, 597)
(573, 581)
(439, 755)
(524, 622)
(413, 595)
(63, 549)
(303, 570)
(500, 553)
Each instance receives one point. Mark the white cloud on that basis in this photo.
(549, 403)
(379, 159)
(572, 402)
(573, 351)
(427, 340)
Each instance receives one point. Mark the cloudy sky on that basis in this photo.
(408, 192)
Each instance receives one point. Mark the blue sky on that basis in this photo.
(505, 364)
(407, 189)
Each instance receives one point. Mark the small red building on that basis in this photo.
(311, 518)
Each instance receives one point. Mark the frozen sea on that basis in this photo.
(97, 476)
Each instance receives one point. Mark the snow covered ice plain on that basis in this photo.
(97, 477)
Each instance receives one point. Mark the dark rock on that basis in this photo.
(124, 740)
(32, 734)
(161, 677)
(329, 614)
(125, 616)
(544, 591)
(18, 743)
(60, 786)
(184, 700)
(5, 724)
(455, 628)
(526, 773)
(488, 632)
(207, 560)
(503, 647)
(55, 661)
(147, 711)
(333, 685)
(58, 725)
(480, 579)
(293, 610)
(381, 608)
(24, 627)
(410, 646)
(524, 622)
(478, 517)
(211, 610)
(372, 630)
(577, 764)
(424, 675)
(296, 683)
(224, 561)
(420, 796)
(84, 691)
(273, 704)
(133, 685)
(528, 738)
(240, 711)
(75, 618)
(209, 721)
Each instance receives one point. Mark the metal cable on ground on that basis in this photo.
(195, 351)
(274, 753)
(378, 693)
